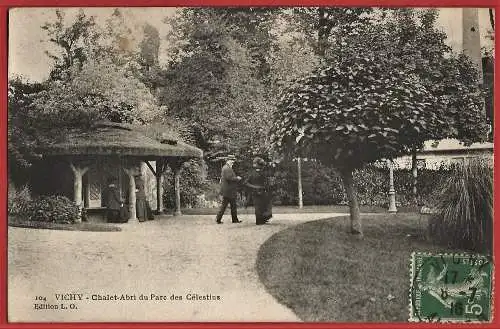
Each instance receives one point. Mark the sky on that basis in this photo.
(28, 42)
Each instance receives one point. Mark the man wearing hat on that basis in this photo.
(229, 185)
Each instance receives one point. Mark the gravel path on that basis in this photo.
(181, 256)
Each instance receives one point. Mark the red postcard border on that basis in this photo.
(4, 7)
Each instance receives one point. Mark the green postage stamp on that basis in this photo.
(450, 288)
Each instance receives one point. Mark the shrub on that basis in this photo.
(372, 185)
(18, 200)
(322, 185)
(428, 182)
(212, 191)
(53, 208)
(192, 184)
(464, 216)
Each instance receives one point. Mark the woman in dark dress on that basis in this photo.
(258, 184)
(143, 210)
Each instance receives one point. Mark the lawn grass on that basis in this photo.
(323, 273)
(83, 226)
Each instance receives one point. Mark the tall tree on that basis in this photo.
(366, 104)
(149, 57)
(422, 47)
(96, 76)
(215, 76)
(150, 46)
(21, 133)
(96, 91)
(118, 41)
(75, 43)
(326, 28)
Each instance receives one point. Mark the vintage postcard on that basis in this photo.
(250, 164)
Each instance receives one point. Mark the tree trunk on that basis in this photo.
(353, 201)
(414, 171)
(321, 32)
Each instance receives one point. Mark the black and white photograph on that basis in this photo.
(250, 164)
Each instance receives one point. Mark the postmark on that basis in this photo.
(450, 288)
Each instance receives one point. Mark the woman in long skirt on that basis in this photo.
(140, 205)
(258, 184)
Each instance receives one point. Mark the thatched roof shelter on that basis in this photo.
(106, 138)
(107, 141)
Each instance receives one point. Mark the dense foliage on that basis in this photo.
(18, 200)
(22, 135)
(53, 208)
(351, 115)
(193, 184)
(98, 90)
(322, 185)
(215, 77)
(96, 74)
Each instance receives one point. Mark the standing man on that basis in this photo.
(229, 185)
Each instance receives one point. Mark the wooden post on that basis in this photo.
(159, 186)
(176, 166)
(78, 173)
(392, 191)
(299, 187)
(120, 167)
(177, 189)
(132, 198)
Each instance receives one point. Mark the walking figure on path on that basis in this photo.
(260, 191)
(229, 184)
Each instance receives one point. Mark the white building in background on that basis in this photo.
(446, 152)
(474, 35)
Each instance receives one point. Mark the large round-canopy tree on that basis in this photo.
(361, 108)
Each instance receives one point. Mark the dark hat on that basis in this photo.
(259, 162)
